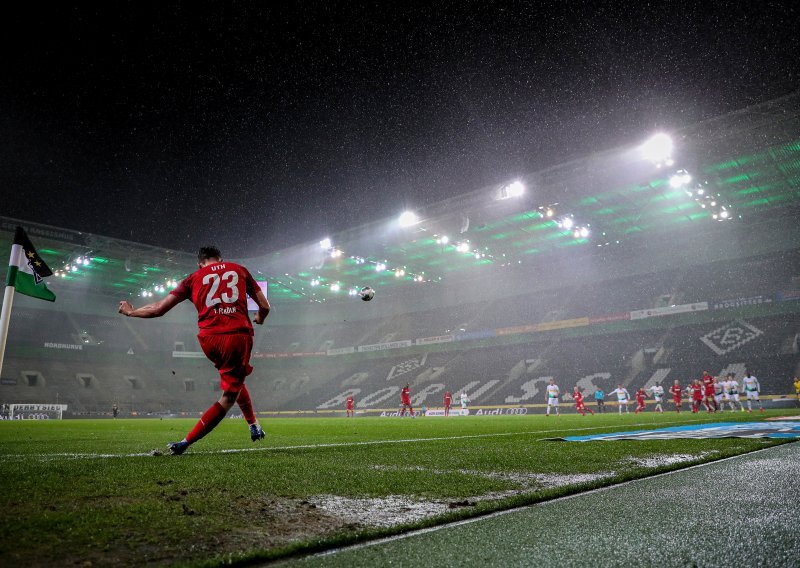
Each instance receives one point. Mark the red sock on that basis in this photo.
(207, 422)
(246, 406)
(590, 411)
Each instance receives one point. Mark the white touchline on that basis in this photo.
(341, 444)
(480, 518)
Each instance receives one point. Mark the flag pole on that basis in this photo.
(5, 315)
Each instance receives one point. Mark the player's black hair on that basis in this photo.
(207, 253)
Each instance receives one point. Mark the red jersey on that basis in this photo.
(448, 398)
(578, 396)
(676, 391)
(640, 396)
(405, 395)
(708, 384)
(219, 292)
(697, 392)
(349, 403)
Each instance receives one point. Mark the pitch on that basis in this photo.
(91, 491)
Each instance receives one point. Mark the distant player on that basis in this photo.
(708, 391)
(600, 400)
(350, 412)
(751, 390)
(219, 291)
(731, 387)
(405, 401)
(115, 410)
(797, 389)
(676, 392)
(579, 406)
(552, 397)
(464, 400)
(719, 391)
(448, 401)
(697, 396)
(658, 395)
(623, 397)
(641, 400)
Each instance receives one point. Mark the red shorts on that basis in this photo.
(230, 354)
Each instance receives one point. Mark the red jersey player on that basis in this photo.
(641, 397)
(675, 390)
(405, 401)
(579, 406)
(350, 412)
(697, 395)
(708, 391)
(219, 291)
(448, 400)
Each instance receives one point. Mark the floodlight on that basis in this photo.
(336, 253)
(380, 267)
(462, 247)
(335, 287)
(658, 149)
(515, 189)
(408, 218)
(325, 244)
(724, 214)
(584, 232)
(444, 239)
(680, 179)
(567, 222)
(549, 212)
(74, 269)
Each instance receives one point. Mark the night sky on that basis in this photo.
(258, 127)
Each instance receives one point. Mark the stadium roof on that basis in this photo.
(725, 170)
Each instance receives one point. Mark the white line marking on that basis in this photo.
(480, 518)
(346, 444)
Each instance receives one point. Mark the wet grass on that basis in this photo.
(208, 507)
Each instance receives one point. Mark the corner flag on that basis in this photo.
(27, 270)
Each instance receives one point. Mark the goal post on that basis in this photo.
(36, 411)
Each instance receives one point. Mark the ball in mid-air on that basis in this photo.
(367, 293)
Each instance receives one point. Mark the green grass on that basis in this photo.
(208, 507)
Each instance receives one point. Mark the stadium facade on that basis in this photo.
(604, 270)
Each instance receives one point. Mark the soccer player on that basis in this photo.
(719, 389)
(675, 390)
(697, 396)
(219, 291)
(350, 412)
(405, 401)
(552, 397)
(623, 396)
(797, 388)
(641, 398)
(600, 399)
(732, 392)
(658, 395)
(579, 406)
(751, 389)
(115, 410)
(708, 391)
(448, 401)
(464, 400)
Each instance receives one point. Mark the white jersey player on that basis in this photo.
(552, 397)
(731, 386)
(658, 395)
(719, 389)
(623, 397)
(751, 390)
(464, 400)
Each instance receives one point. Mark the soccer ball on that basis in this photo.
(367, 293)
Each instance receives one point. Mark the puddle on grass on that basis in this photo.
(661, 460)
(399, 509)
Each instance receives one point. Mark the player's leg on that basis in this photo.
(246, 406)
(547, 412)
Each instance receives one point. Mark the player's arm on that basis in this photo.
(263, 307)
(154, 310)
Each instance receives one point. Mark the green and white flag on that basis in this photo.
(27, 270)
